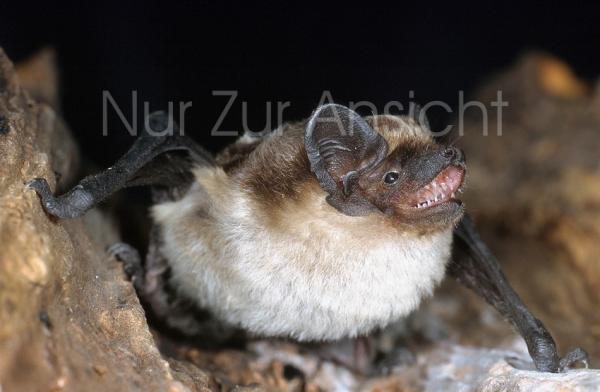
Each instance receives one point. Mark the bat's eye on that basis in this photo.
(391, 177)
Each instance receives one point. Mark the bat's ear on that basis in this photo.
(341, 146)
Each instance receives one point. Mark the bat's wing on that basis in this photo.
(157, 160)
(164, 163)
(475, 266)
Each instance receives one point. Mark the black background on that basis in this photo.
(274, 51)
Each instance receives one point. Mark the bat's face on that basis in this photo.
(405, 175)
(418, 184)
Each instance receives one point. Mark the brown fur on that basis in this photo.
(275, 172)
(234, 155)
(276, 168)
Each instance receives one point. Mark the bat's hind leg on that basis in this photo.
(165, 305)
(131, 260)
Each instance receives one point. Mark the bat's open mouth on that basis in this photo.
(442, 189)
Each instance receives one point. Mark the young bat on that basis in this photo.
(321, 230)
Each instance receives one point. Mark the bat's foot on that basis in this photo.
(577, 355)
(71, 205)
(131, 259)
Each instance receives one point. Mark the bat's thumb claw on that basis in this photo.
(70, 205)
(577, 355)
(40, 185)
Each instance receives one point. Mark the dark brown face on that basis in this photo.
(418, 184)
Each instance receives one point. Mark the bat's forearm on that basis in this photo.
(475, 266)
(127, 171)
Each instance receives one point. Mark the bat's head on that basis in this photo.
(385, 164)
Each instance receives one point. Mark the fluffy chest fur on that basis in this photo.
(307, 272)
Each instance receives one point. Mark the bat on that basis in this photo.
(324, 229)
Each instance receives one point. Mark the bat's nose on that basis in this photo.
(453, 154)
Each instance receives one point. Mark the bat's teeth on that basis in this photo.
(444, 187)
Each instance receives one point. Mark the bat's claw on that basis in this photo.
(574, 356)
(39, 185)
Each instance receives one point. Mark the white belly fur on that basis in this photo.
(321, 276)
